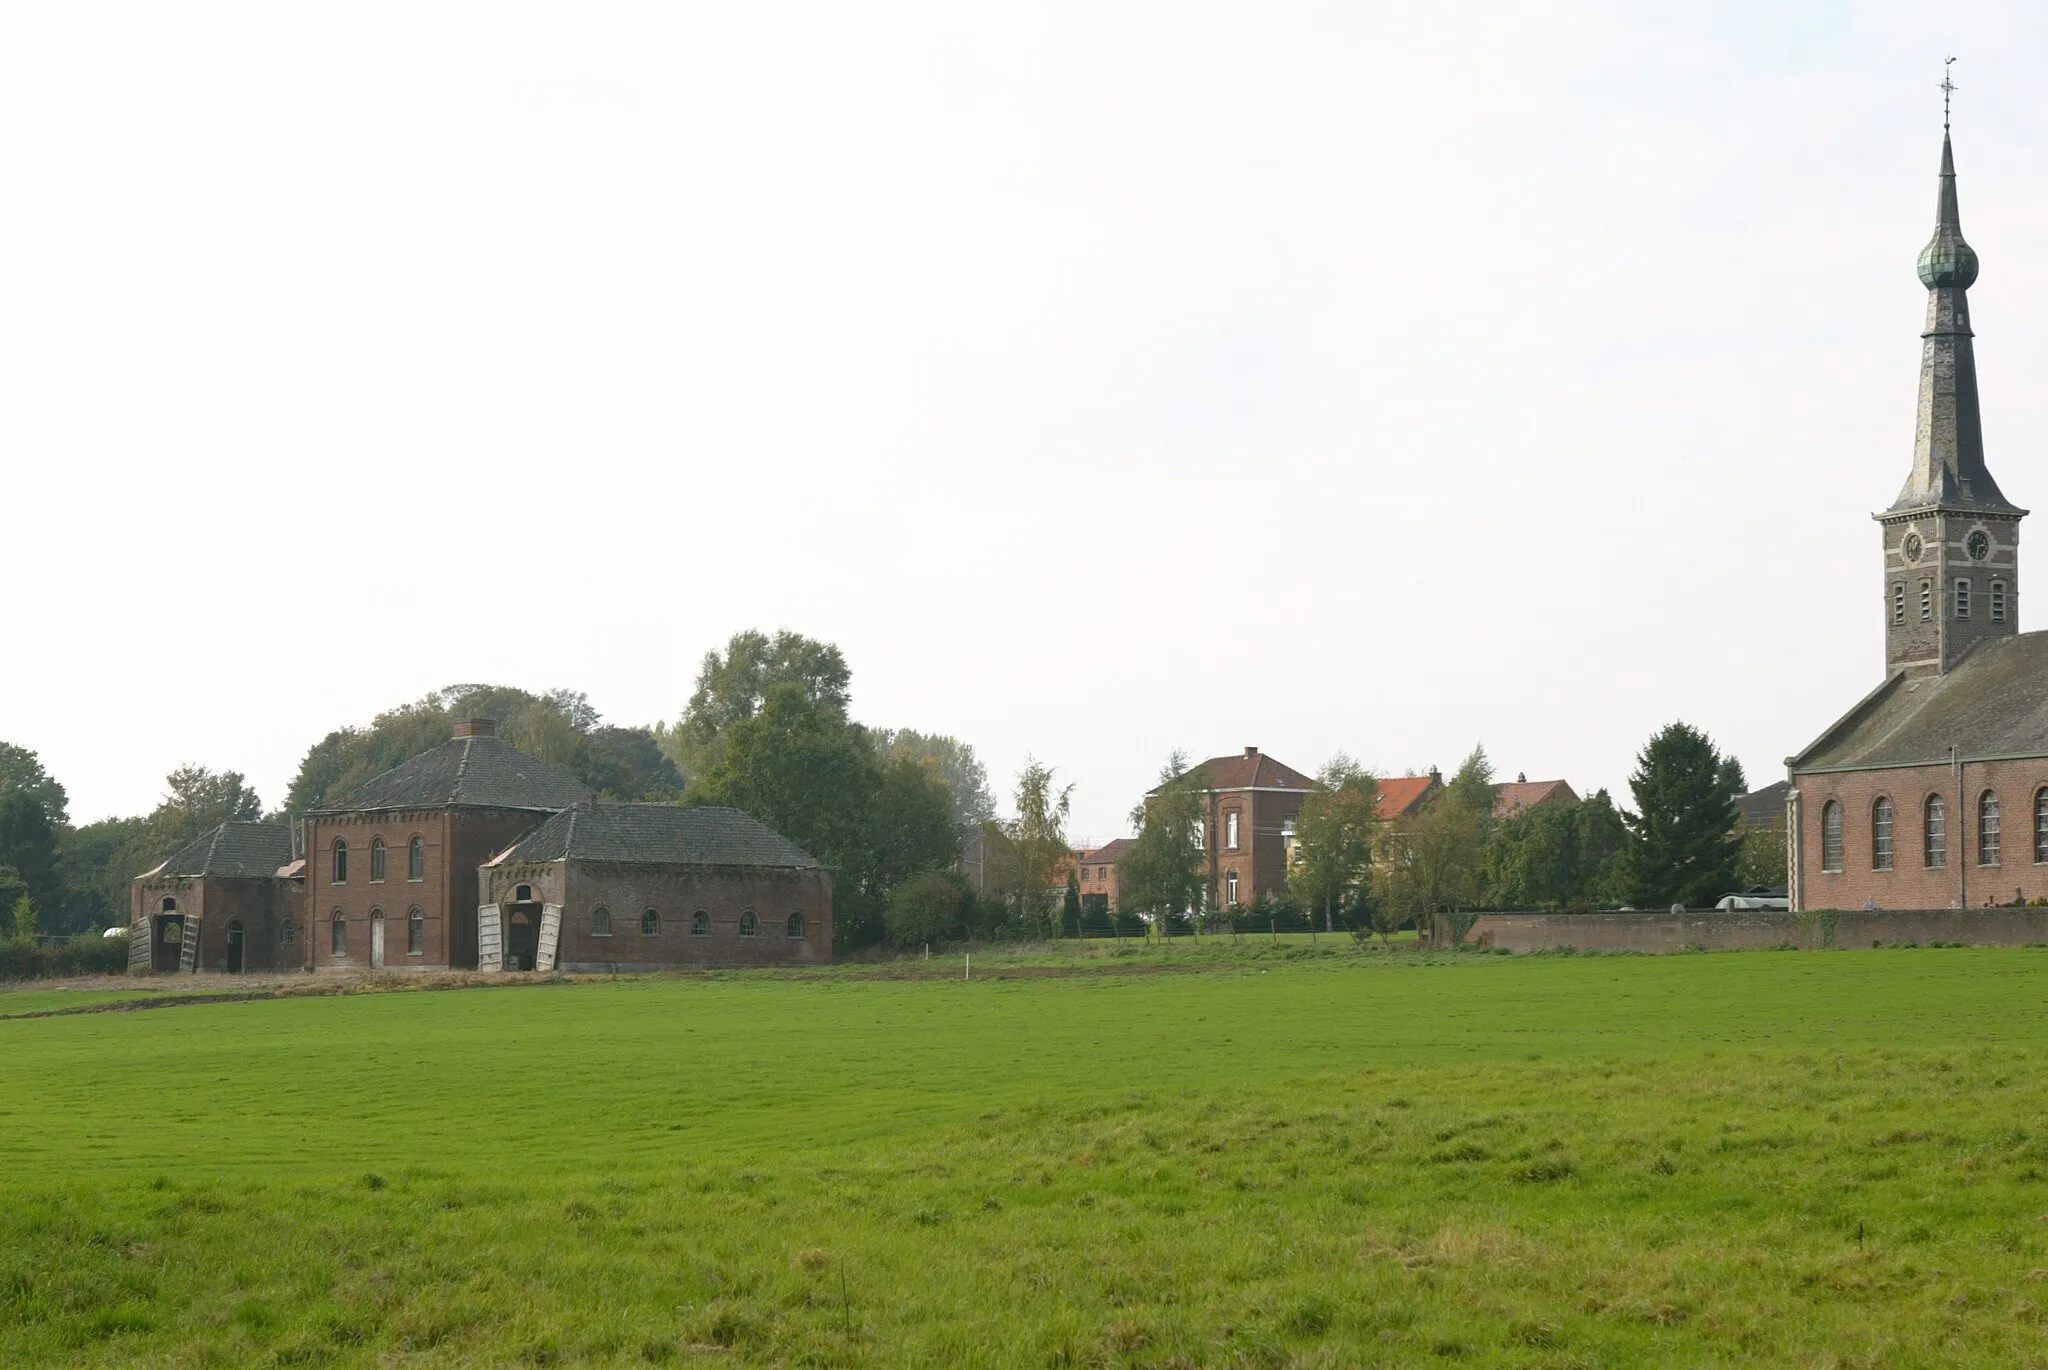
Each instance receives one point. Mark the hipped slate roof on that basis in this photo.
(234, 849)
(1764, 808)
(467, 772)
(1994, 703)
(657, 835)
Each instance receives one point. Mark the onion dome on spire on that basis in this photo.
(1947, 260)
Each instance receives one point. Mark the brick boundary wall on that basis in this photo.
(1757, 929)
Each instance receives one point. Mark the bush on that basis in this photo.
(928, 908)
(88, 953)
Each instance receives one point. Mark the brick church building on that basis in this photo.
(1932, 792)
(475, 856)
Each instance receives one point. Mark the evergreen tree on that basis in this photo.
(1681, 846)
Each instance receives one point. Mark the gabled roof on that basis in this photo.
(467, 772)
(234, 850)
(1764, 808)
(1993, 703)
(1402, 795)
(1527, 794)
(1108, 852)
(657, 835)
(1251, 770)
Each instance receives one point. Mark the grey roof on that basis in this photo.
(1948, 439)
(658, 835)
(1764, 808)
(467, 772)
(1994, 703)
(234, 849)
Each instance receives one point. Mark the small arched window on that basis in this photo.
(1987, 828)
(416, 858)
(700, 924)
(1962, 597)
(750, 926)
(1934, 833)
(287, 932)
(600, 921)
(1881, 835)
(522, 894)
(415, 933)
(2041, 824)
(376, 859)
(796, 925)
(650, 924)
(1831, 836)
(340, 873)
(339, 938)
(169, 905)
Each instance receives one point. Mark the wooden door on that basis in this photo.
(377, 941)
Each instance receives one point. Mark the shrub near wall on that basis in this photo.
(86, 954)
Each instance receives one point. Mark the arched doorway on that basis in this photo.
(377, 940)
(235, 946)
(167, 936)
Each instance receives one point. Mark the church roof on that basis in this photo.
(1994, 703)
(658, 835)
(234, 849)
(467, 772)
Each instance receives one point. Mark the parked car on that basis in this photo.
(1732, 902)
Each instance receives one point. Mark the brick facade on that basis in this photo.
(259, 913)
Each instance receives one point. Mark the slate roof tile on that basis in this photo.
(468, 772)
(1993, 703)
(234, 849)
(658, 835)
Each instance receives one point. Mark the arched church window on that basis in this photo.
(338, 940)
(339, 874)
(600, 921)
(415, 933)
(1987, 828)
(796, 925)
(700, 924)
(416, 858)
(749, 924)
(650, 924)
(287, 932)
(1831, 836)
(1881, 835)
(376, 859)
(1934, 833)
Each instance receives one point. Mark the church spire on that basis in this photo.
(1948, 438)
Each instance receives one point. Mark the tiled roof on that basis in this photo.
(657, 835)
(1764, 808)
(1994, 703)
(470, 772)
(1251, 770)
(1401, 795)
(1527, 794)
(234, 849)
(1108, 852)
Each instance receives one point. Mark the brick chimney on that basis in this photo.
(1251, 751)
(477, 727)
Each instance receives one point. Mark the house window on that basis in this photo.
(376, 860)
(287, 932)
(1230, 888)
(1899, 602)
(1998, 601)
(600, 921)
(1926, 600)
(1881, 835)
(416, 858)
(700, 924)
(339, 876)
(169, 905)
(1201, 835)
(796, 925)
(1987, 828)
(338, 943)
(650, 924)
(415, 933)
(1962, 597)
(1831, 836)
(522, 894)
(1230, 830)
(1934, 841)
(749, 924)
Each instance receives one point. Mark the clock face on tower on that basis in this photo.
(1978, 545)
(1911, 547)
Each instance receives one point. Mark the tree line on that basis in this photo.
(1455, 855)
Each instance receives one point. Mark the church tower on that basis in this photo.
(1951, 539)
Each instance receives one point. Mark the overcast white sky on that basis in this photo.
(1103, 378)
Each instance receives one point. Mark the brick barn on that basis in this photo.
(399, 875)
(1932, 792)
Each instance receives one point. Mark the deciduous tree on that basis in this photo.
(1161, 875)
(1334, 836)
(734, 685)
(1038, 839)
(22, 770)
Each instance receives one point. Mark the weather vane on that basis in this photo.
(1948, 88)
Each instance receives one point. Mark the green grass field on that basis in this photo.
(1278, 1156)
